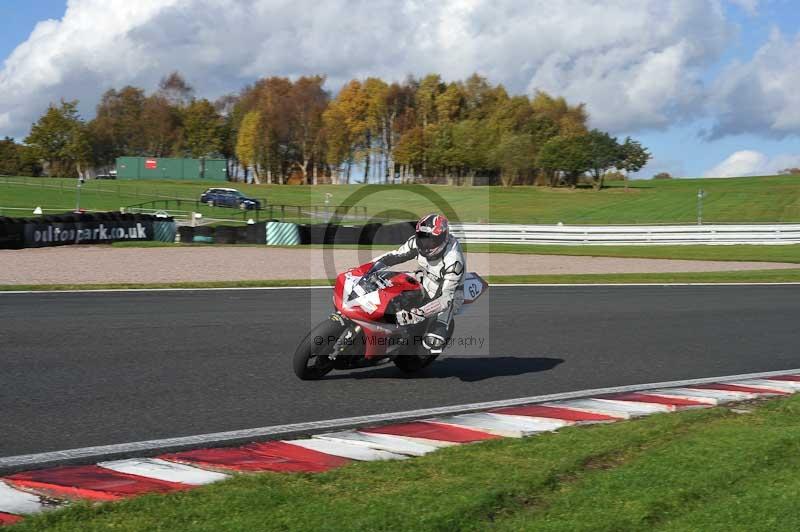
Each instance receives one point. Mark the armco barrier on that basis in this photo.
(628, 235)
(369, 234)
(70, 228)
(223, 234)
(283, 234)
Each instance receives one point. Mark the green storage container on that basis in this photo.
(171, 168)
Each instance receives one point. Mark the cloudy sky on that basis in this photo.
(711, 86)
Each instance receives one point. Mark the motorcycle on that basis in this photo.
(363, 331)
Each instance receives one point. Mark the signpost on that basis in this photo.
(78, 195)
(700, 195)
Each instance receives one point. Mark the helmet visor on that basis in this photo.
(430, 245)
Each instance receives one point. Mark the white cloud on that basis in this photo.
(637, 64)
(760, 96)
(752, 162)
(751, 6)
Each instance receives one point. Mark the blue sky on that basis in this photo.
(19, 17)
(710, 86)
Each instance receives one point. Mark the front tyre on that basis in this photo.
(413, 363)
(311, 359)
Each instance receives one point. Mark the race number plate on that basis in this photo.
(474, 286)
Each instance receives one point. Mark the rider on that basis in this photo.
(442, 265)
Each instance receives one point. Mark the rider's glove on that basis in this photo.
(410, 317)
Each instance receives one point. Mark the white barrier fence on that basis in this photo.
(628, 234)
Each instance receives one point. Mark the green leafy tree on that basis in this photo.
(604, 152)
(571, 119)
(565, 157)
(10, 157)
(633, 157)
(513, 155)
(59, 137)
(472, 143)
(202, 129)
(118, 128)
(163, 134)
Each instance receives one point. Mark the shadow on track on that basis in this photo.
(466, 369)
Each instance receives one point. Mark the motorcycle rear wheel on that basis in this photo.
(311, 361)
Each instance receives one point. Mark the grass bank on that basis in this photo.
(758, 253)
(752, 276)
(750, 199)
(696, 470)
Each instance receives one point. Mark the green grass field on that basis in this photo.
(752, 199)
(766, 253)
(751, 276)
(710, 470)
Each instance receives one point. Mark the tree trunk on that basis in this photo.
(598, 179)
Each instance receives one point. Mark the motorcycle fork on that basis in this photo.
(345, 340)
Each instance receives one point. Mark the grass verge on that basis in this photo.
(756, 253)
(695, 470)
(752, 276)
(747, 199)
(750, 253)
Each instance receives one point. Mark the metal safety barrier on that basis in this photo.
(628, 234)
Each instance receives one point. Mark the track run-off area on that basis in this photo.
(85, 369)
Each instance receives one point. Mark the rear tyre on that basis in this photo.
(311, 360)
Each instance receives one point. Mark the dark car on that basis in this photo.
(228, 197)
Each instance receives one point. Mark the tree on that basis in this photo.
(472, 143)
(176, 90)
(662, 175)
(604, 152)
(202, 128)
(790, 171)
(227, 106)
(633, 157)
(162, 121)
(59, 137)
(450, 103)
(345, 126)
(427, 93)
(410, 150)
(308, 101)
(78, 149)
(118, 128)
(513, 155)
(566, 155)
(10, 157)
(571, 119)
(247, 143)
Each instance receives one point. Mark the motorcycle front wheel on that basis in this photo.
(413, 363)
(311, 359)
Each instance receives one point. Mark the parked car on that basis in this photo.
(228, 197)
(106, 176)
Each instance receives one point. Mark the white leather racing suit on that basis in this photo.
(442, 278)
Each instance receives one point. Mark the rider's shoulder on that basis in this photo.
(453, 250)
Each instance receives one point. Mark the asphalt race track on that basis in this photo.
(83, 369)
